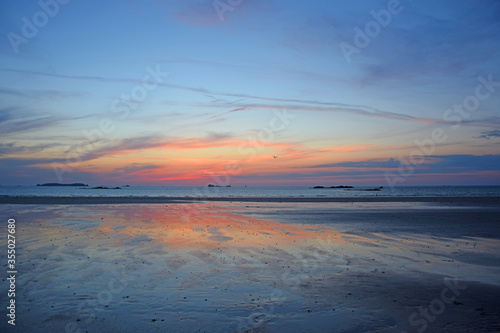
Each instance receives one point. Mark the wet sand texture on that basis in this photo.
(257, 267)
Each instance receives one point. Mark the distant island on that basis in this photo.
(59, 184)
(341, 186)
(212, 185)
(369, 189)
(102, 188)
(106, 188)
(349, 188)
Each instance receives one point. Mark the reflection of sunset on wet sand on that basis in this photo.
(207, 226)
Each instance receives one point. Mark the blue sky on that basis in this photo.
(219, 72)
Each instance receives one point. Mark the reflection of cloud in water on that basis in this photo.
(204, 226)
(218, 236)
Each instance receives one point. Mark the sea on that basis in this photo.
(248, 191)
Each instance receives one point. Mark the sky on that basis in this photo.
(250, 92)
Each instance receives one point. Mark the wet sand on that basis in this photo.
(419, 265)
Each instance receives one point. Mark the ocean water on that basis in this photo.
(250, 191)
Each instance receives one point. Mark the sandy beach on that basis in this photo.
(378, 264)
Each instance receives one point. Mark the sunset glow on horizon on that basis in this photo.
(250, 93)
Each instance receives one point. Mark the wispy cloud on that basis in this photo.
(33, 170)
(489, 134)
(427, 43)
(431, 165)
(51, 95)
(298, 104)
(14, 121)
(168, 85)
(464, 163)
(469, 168)
(390, 163)
(12, 148)
(212, 140)
(135, 169)
(359, 111)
